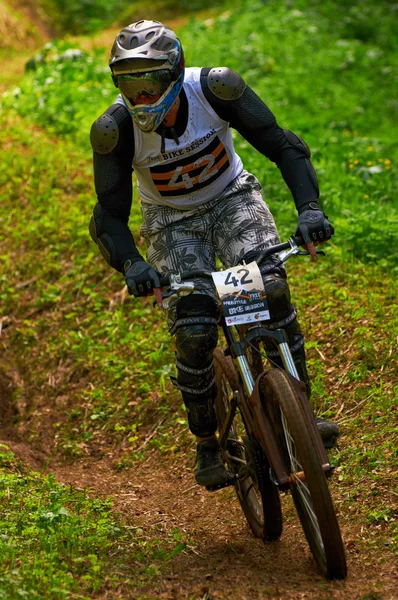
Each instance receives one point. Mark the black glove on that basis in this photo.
(141, 278)
(313, 224)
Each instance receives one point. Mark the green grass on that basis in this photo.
(76, 17)
(64, 306)
(332, 84)
(347, 311)
(58, 542)
(336, 91)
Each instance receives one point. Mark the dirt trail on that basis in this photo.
(222, 558)
(225, 560)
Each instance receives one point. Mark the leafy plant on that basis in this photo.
(329, 87)
(80, 16)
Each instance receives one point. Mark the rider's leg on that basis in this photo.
(176, 241)
(196, 334)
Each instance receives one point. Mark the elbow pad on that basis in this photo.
(299, 144)
(102, 239)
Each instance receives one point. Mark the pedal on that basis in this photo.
(220, 486)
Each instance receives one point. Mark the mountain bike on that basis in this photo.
(266, 428)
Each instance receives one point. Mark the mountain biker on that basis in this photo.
(171, 126)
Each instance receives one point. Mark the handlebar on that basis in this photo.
(293, 241)
(165, 279)
(292, 245)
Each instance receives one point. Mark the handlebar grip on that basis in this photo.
(299, 240)
(164, 281)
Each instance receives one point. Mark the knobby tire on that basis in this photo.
(312, 497)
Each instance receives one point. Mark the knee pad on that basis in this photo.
(278, 298)
(196, 330)
(196, 333)
(283, 316)
(198, 390)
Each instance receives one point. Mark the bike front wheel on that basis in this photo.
(309, 486)
(257, 494)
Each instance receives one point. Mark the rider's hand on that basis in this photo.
(314, 227)
(142, 279)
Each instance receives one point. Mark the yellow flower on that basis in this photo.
(366, 196)
(369, 163)
(352, 166)
(387, 167)
(369, 148)
(387, 161)
(356, 162)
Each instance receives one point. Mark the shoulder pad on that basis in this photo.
(104, 134)
(225, 83)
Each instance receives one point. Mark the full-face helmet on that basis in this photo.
(147, 59)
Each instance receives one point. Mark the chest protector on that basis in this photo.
(195, 170)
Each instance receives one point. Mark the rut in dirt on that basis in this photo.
(8, 408)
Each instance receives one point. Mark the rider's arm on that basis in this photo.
(239, 105)
(112, 141)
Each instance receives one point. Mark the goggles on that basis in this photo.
(149, 83)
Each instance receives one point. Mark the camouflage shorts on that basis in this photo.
(226, 227)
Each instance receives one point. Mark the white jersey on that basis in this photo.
(195, 170)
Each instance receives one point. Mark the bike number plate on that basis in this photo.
(242, 295)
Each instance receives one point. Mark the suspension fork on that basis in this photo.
(257, 333)
(242, 365)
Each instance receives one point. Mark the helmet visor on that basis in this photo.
(149, 83)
